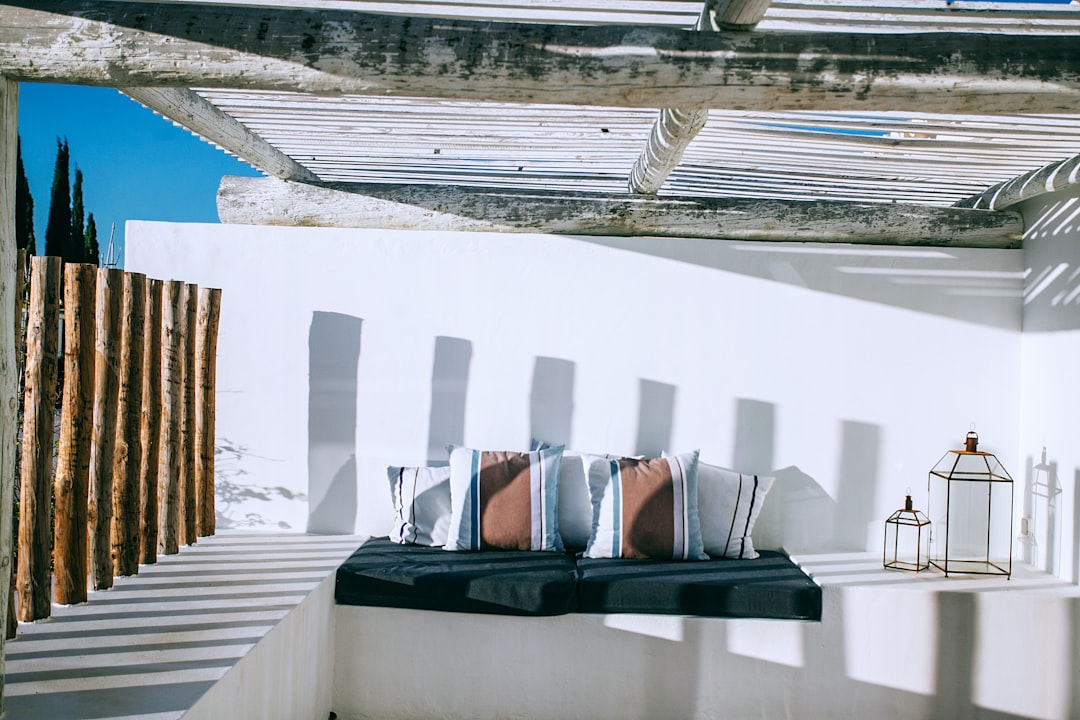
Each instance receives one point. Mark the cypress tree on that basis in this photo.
(93, 252)
(58, 229)
(24, 206)
(77, 243)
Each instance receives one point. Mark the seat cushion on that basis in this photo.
(503, 582)
(770, 586)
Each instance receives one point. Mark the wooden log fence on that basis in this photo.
(134, 461)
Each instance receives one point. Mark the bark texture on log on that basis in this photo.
(76, 430)
(128, 454)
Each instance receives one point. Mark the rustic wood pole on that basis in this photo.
(9, 138)
(20, 298)
(110, 289)
(76, 429)
(39, 409)
(150, 429)
(128, 456)
(172, 378)
(205, 406)
(187, 425)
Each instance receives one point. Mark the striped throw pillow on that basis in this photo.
(504, 500)
(645, 508)
(729, 504)
(421, 497)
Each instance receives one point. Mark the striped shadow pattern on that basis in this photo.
(504, 500)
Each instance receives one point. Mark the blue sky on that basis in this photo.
(136, 165)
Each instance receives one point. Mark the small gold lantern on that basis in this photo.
(971, 504)
(907, 539)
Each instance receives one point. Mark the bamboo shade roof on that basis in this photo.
(898, 156)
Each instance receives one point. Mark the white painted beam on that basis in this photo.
(676, 128)
(1047, 179)
(9, 383)
(267, 201)
(197, 115)
(125, 44)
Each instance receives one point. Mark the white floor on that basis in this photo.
(154, 644)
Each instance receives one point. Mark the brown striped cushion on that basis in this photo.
(504, 500)
(645, 508)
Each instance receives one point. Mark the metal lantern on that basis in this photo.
(907, 539)
(971, 505)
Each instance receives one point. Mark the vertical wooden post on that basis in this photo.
(172, 378)
(76, 428)
(110, 289)
(39, 409)
(150, 431)
(20, 297)
(205, 406)
(9, 138)
(128, 456)
(187, 425)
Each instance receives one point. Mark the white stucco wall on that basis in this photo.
(1050, 390)
(847, 371)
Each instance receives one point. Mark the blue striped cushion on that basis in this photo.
(504, 500)
(645, 508)
(729, 504)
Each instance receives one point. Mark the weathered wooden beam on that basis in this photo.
(1047, 179)
(675, 128)
(126, 44)
(267, 201)
(193, 112)
(9, 383)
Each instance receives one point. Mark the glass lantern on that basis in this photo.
(907, 539)
(971, 506)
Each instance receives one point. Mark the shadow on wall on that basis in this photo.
(230, 491)
(656, 416)
(1038, 540)
(799, 514)
(449, 386)
(964, 285)
(1052, 255)
(333, 361)
(551, 401)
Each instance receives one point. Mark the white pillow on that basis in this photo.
(729, 503)
(421, 497)
(575, 506)
(645, 508)
(504, 500)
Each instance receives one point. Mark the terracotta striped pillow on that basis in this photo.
(504, 500)
(645, 508)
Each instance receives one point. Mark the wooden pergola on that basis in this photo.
(918, 122)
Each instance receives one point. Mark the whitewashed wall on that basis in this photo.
(1050, 390)
(847, 371)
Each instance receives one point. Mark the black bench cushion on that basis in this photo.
(771, 586)
(502, 582)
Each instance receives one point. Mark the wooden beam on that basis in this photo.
(1047, 179)
(125, 44)
(267, 201)
(9, 382)
(675, 128)
(188, 109)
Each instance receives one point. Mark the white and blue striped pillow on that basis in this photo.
(645, 508)
(421, 497)
(504, 500)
